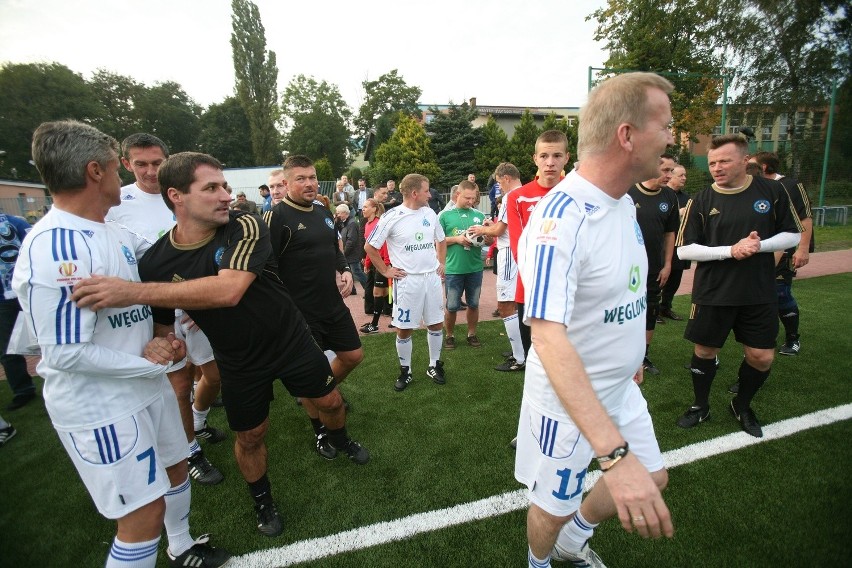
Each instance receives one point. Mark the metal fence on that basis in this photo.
(30, 208)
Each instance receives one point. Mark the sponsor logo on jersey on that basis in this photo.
(638, 231)
(591, 209)
(67, 268)
(713, 211)
(327, 222)
(129, 317)
(418, 246)
(217, 256)
(418, 237)
(131, 260)
(626, 312)
(426, 223)
(128, 197)
(89, 234)
(664, 207)
(762, 206)
(300, 227)
(635, 279)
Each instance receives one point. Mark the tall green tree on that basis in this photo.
(454, 141)
(226, 134)
(493, 149)
(118, 96)
(561, 124)
(640, 35)
(386, 96)
(166, 111)
(33, 93)
(318, 120)
(257, 80)
(408, 151)
(522, 146)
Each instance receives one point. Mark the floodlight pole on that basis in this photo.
(827, 143)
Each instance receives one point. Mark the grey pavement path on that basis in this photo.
(821, 264)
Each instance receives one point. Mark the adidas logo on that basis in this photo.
(714, 211)
(177, 278)
(128, 197)
(591, 209)
(300, 227)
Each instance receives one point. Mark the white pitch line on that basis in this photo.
(407, 527)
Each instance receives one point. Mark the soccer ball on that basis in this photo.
(474, 240)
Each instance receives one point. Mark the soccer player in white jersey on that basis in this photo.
(105, 387)
(417, 252)
(143, 211)
(583, 264)
(508, 177)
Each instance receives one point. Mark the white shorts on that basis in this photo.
(507, 276)
(416, 298)
(123, 465)
(198, 349)
(553, 456)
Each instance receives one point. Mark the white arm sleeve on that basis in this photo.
(781, 241)
(97, 360)
(703, 253)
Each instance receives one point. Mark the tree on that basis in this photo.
(319, 121)
(492, 150)
(639, 36)
(119, 96)
(408, 151)
(522, 146)
(257, 80)
(386, 96)
(454, 141)
(167, 112)
(226, 134)
(34, 93)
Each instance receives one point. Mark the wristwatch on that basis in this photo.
(613, 457)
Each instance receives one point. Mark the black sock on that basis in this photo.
(319, 427)
(790, 321)
(750, 382)
(526, 331)
(261, 490)
(647, 347)
(703, 372)
(378, 308)
(339, 438)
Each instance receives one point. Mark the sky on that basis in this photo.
(533, 53)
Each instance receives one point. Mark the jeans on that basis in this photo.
(470, 284)
(358, 273)
(15, 366)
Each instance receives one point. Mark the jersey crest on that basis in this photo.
(762, 206)
(327, 222)
(638, 231)
(131, 260)
(217, 256)
(664, 207)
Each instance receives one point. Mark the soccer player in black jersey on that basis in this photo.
(217, 264)
(731, 228)
(676, 183)
(306, 247)
(793, 259)
(657, 215)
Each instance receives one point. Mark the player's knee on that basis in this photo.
(351, 359)
(330, 403)
(252, 439)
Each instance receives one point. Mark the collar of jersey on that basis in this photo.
(648, 191)
(189, 246)
(295, 205)
(733, 190)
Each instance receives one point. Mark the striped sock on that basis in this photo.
(133, 554)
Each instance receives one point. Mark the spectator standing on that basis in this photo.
(676, 183)
(267, 198)
(353, 244)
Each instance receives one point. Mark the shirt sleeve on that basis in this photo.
(692, 227)
(249, 245)
(378, 236)
(513, 221)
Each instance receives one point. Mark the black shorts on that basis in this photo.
(379, 280)
(307, 374)
(336, 332)
(754, 326)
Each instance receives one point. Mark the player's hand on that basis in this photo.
(162, 350)
(99, 292)
(395, 273)
(665, 272)
(801, 258)
(746, 247)
(441, 270)
(639, 377)
(345, 284)
(638, 500)
(477, 230)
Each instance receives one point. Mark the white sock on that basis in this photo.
(3, 423)
(133, 554)
(513, 332)
(177, 518)
(575, 533)
(199, 417)
(537, 562)
(194, 448)
(403, 349)
(435, 339)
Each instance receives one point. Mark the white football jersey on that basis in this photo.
(92, 365)
(503, 240)
(143, 213)
(583, 262)
(411, 235)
